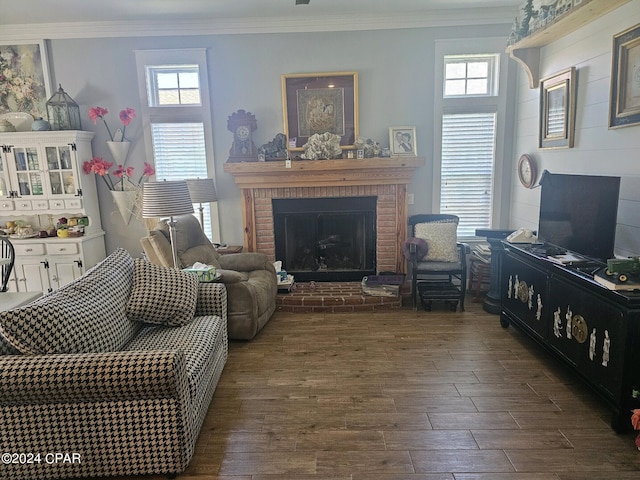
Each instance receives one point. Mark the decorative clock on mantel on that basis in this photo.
(242, 124)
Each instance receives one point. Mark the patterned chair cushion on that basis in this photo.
(86, 315)
(441, 238)
(162, 295)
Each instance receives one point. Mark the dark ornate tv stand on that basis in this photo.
(594, 330)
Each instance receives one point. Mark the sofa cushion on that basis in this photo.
(86, 315)
(162, 295)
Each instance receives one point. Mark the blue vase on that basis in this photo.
(40, 125)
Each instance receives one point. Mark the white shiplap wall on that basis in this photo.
(598, 150)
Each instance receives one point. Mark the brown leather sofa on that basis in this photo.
(250, 278)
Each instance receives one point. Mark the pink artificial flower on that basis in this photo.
(100, 166)
(148, 170)
(127, 115)
(97, 112)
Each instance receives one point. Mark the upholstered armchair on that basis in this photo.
(250, 278)
(437, 262)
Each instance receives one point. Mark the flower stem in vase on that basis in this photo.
(119, 151)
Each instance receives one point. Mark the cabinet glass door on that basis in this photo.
(28, 171)
(5, 187)
(60, 169)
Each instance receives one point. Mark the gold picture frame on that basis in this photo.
(557, 109)
(319, 103)
(624, 104)
(29, 87)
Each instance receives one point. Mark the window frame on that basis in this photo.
(188, 113)
(504, 79)
(493, 59)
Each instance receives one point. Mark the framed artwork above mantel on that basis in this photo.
(316, 103)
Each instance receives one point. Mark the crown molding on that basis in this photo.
(253, 25)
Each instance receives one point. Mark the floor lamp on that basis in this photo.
(167, 199)
(202, 190)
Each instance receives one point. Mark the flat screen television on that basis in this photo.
(579, 213)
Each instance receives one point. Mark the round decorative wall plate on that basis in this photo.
(527, 171)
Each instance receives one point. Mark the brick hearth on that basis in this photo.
(332, 297)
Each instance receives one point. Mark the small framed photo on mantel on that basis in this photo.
(402, 141)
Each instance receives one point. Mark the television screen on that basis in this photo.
(579, 213)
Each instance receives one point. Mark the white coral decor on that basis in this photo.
(322, 146)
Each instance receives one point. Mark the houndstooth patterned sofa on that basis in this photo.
(115, 371)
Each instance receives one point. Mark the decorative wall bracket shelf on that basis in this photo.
(527, 51)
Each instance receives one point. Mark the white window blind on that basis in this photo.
(468, 152)
(179, 153)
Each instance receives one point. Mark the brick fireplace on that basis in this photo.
(383, 178)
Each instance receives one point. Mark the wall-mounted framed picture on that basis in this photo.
(320, 103)
(624, 104)
(28, 87)
(402, 141)
(557, 109)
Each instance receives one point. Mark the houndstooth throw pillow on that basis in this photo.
(162, 295)
(86, 315)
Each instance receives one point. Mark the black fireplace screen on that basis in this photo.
(326, 238)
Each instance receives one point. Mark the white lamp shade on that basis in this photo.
(202, 190)
(166, 199)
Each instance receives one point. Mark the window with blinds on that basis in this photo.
(175, 104)
(468, 152)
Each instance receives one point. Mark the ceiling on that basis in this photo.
(44, 17)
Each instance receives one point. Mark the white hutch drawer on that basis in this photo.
(62, 248)
(73, 203)
(6, 205)
(40, 204)
(29, 248)
(57, 204)
(23, 205)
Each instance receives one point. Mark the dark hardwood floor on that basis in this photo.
(403, 395)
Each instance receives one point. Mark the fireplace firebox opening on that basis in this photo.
(326, 239)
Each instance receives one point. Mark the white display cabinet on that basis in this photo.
(41, 180)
